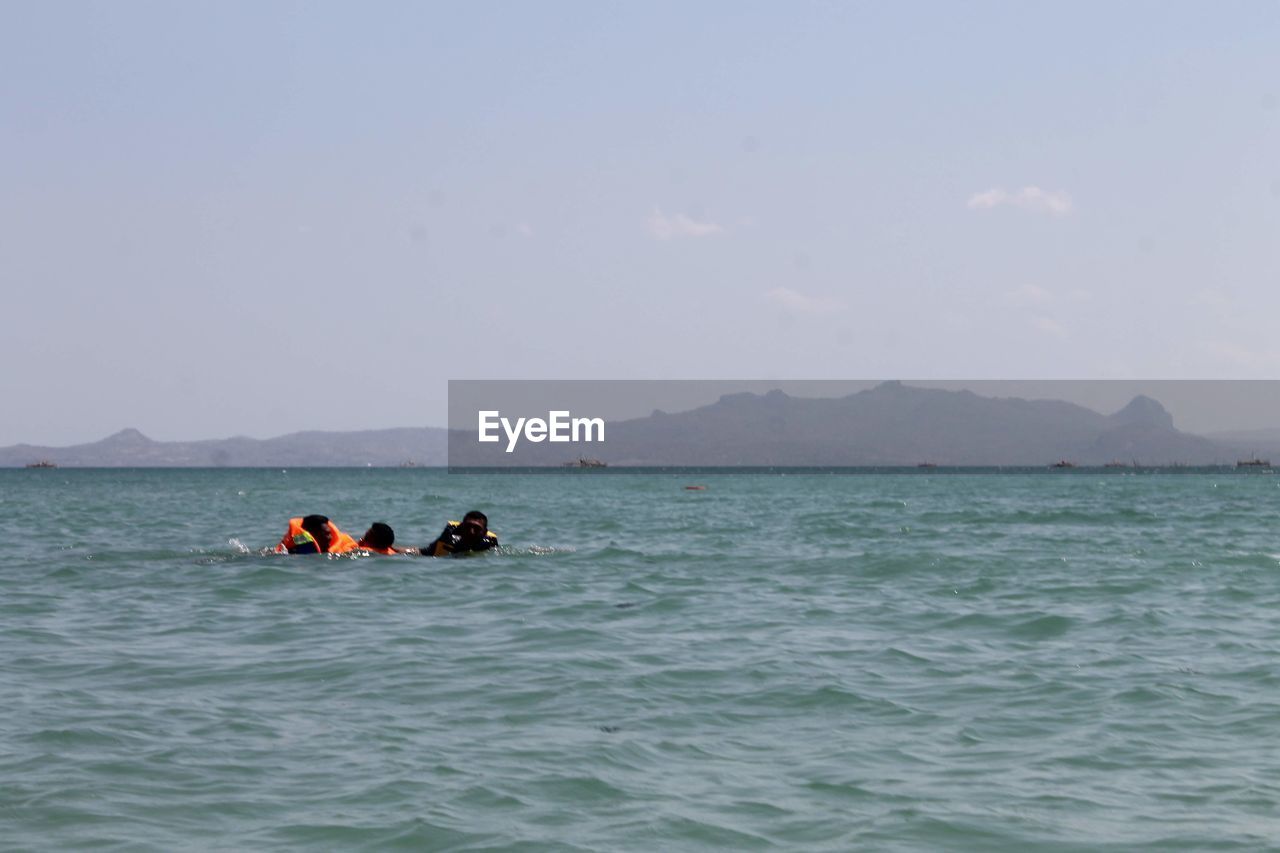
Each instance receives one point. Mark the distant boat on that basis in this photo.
(1116, 463)
(927, 465)
(43, 463)
(583, 462)
(1253, 462)
(1062, 463)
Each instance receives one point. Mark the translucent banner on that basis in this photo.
(924, 424)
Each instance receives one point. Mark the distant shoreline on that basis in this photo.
(626, 470)
(890, 427)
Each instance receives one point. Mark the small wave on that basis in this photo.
(72, 737)
(266, 575)
(414, 834)
(895, 654)
(536, 550)
(841, 790)
(1043, 627)
(972, 620)
(689, 832)
(579, 789)
(241, 552)
(614, 551)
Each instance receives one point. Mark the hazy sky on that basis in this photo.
(253, 218)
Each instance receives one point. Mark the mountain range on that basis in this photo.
(891, 425)
(130, 448)
(888, 425)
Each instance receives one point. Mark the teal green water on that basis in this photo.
(1072, 661)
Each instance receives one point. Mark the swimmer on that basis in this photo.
(314, 534)
(471, 535)
(379, 539)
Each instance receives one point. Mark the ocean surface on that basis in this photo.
(1077, 660)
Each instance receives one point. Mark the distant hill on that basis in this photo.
(1246, 444)
(130, 448)
(890, 424)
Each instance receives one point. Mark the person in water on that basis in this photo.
(314, 534)
(379, 538)
(469, 536)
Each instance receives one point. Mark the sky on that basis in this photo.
(244, 218)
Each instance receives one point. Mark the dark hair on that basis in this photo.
(379, 535)
(318, 526)
(476, 515)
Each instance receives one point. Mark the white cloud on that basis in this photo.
(664, 227)
(798, 303)
(1049, 326)
(1259, 362)
(1043, 308)
(1037, 296)
(1031, 294)
(1212, 299)
(1034, 199)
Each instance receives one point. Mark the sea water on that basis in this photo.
(1078, 660)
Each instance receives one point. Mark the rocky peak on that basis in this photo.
(127, 438)
(1144, 411)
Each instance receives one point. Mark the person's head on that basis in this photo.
(318, 527)
(379, 535)
(475, 525)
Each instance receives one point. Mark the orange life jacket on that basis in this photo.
(339, 542)
(388, 551)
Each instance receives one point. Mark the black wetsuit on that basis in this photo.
(451, 542)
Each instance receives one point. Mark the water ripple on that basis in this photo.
(806, 662)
